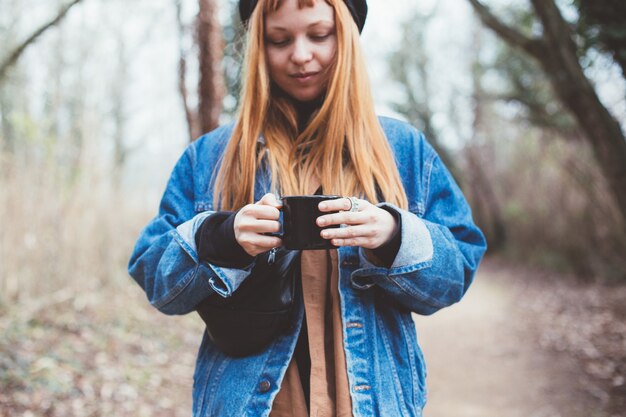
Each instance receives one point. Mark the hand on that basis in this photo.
(253, 221)
(368, 227)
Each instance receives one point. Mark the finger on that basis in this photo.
(260, 226)
(269, 242)
(269, 199)
(257, 241)
(350, 232)
(261, 211)
(336, 204)
(366, 242)
(344, 217)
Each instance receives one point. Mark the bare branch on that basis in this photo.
(14, 56)
(557, 36)
(191, 116)
(532, 46)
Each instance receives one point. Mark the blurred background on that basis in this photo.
(525, 101)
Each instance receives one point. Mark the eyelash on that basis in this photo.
(315, 38)
(321, 37)
(277, 43)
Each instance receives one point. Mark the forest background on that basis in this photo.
(524, 100)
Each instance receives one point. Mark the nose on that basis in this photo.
(302, 52)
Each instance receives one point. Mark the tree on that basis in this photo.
(489, 212)
(193, 129)
(526, 84)
(211, 86)
(14, 55)
(409, 67)
(211, 50)
(234, 35)
(557, 53)
(603, 26)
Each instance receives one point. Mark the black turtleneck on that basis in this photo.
(305, 109)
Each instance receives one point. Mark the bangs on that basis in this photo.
(272, 5)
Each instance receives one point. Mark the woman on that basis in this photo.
(307, 125)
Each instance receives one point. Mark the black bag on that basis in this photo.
(259, 310)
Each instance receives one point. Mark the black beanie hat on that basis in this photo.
(358, 9)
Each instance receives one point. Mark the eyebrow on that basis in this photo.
(319, 22)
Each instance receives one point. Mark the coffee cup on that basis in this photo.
(299, 226)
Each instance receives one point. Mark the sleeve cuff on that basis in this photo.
(415, 252)
(416, 245)
(226, 280)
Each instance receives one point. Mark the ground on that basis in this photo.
(521, 343)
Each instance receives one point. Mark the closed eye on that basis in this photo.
(278, 42)
(321, 37)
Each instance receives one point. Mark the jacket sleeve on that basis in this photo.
(439, 252)
(165, 262)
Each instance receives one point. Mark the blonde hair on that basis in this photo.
(343, 146)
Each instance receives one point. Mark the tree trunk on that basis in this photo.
(556, 52)
(211, 49)
(119, 114)
(575, 90)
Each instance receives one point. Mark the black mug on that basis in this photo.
(300, 230)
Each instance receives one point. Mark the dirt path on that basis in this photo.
(484, 359)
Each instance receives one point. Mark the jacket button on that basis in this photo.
(350, 262)
(264, 386)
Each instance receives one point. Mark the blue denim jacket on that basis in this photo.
(439, 253)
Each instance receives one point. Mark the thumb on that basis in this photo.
(270, 199)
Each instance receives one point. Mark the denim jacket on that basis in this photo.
(439, 252)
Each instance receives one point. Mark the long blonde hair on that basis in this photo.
(343, 146)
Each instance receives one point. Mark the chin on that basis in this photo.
(308, 96)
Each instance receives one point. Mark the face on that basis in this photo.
(300, 48)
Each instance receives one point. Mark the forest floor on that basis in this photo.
(521, 343)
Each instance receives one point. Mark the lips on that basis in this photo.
(304, 76)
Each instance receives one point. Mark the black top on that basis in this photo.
(216, 243)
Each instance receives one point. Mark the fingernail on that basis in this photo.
(322, 206)
(321, 221)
